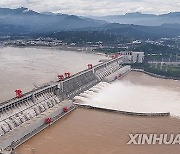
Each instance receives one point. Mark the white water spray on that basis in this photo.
(126, 96)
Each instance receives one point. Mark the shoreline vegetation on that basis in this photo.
(165, 71)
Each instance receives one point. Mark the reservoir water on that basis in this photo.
(26, 68)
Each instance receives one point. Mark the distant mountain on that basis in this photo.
(144, 32)
(25, 21)
(138, 14)
(138, 18)
(18, 11)
(138, 31)
(6, 29)
(171, 26)
(34, 22)
(171, 14)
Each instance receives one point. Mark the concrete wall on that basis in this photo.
(127, 113)
(117, 74)
(88, 78)
(34, 124)
(78, 81)
(23, 111)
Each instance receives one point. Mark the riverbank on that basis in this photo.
(160, 70)
(155, 75)
(87, 49)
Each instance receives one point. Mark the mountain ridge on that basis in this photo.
(139, 18)
(25, 21)
(36, 22)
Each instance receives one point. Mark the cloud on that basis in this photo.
(94, 7)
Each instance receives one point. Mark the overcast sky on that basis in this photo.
(96, 7)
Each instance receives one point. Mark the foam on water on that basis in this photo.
(126, 96)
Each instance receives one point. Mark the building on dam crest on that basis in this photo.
(132, 57)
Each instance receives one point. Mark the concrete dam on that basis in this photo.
(23, 117)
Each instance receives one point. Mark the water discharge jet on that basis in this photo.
(126, 96)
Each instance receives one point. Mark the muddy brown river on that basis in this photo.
(27, 68)
(98, 132)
